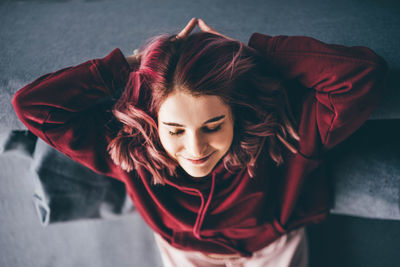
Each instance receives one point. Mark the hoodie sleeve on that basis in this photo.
(65, 109)
(348, 81)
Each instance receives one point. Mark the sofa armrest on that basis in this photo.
(64, 189)
(365, 171)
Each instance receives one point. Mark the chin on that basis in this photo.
(200, 170)
(197, 172)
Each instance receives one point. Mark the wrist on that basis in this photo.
(133, 59)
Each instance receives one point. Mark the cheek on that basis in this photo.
(169, 143)
(224, 138)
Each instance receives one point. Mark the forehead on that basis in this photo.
(183, 108)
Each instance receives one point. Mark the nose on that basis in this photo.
(196, 145)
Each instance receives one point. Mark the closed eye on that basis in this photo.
(211, 130)
(176, 133)
(205, 129)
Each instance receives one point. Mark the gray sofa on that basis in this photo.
(75, 217)
(364, 170)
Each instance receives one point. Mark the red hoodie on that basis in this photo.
(333, 90)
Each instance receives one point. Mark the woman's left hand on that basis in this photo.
(205, 28)
(135, 58)
(202, 25)
(188, 29)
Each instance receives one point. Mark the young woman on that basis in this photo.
(220, 144)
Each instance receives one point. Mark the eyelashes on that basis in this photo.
(206, 130)
(176, 133)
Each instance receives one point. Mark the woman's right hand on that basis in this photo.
(202, 25)
(135, 58)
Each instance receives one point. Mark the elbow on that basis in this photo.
(20, 103)
(376, 62)
(30, 114)
(17, 102)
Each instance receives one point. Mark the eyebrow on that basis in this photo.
(218, 118)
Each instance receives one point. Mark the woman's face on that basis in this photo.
(195, 131)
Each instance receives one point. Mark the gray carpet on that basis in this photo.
(38, 37)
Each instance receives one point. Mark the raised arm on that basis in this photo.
(348, 81)
(67, 109)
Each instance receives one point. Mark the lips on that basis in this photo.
(199, 161)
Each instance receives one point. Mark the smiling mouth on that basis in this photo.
(199, 161)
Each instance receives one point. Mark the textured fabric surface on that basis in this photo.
(65, 190)
(120, 240)
(41, 36)
(47, 37)
(72, 191)
(333, 90)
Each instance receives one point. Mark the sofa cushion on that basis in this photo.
(64, 189)
(365, 169)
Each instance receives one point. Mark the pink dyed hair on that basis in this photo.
(201, 64)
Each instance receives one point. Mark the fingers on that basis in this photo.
(203, 26)
(189, 27)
